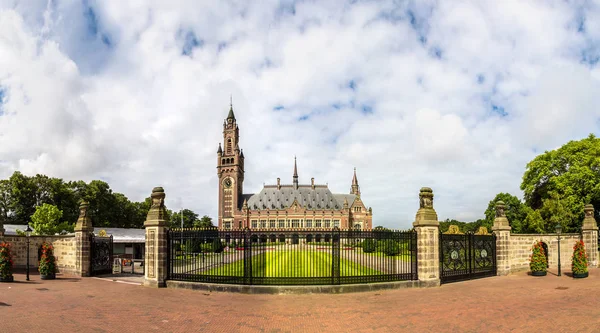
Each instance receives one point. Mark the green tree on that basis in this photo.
(533, 223)
(189, 219)
(46, 221)
(204, 222)
(23, 197)
(569, 174)
(514, 210)
(5, 201)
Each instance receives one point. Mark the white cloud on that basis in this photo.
(457, 99)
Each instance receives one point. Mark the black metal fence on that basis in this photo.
(291, 257)
(466, 256)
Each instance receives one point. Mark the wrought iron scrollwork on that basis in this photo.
(467, 256)
(101, 254)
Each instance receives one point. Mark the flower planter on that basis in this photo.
(48, 276)
(580, 275)
(7, 279)
(541, 273)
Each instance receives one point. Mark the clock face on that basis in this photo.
(227, 182)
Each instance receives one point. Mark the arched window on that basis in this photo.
(358, 226)
(272, 238)
(309, 238)
(282, 238)
(229, 146)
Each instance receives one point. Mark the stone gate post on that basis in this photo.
(589, 234)
(501, 229)
(83, 229)
(428, 250)
(156, 241)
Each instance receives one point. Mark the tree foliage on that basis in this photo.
(514, 210)
(20, 196)
(46, 221)
(560, 182)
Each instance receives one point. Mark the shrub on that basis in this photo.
(369, 246)
(6, 261)
(47, 261)
(538, 262)
(579, 263)
(217, 246)
(206, 247)
(391, 247)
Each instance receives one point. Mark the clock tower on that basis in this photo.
(230, 171)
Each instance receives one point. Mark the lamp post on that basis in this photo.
(28, 233)
(558, 229)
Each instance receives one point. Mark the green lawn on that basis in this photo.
(292, 264)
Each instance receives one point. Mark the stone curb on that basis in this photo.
(295, 290)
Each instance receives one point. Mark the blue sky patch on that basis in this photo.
(2, 100)
(480, 78)
(436, 52)
(499, 110)
(366, 109)
(590, 56)
(190, 43)
(278, 108)
(352, 85)
(304, 117)
(92, 21)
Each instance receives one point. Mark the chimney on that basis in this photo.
(312, 183)
(278, 183)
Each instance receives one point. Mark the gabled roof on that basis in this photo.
(270, 197)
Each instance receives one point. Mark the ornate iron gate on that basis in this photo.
(467, 256)
(101, 255)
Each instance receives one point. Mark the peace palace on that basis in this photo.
(281, 206)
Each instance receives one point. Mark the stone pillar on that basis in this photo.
(428, 249)
(83, 230)
(501, 229)
(589, 234)
(155, 259)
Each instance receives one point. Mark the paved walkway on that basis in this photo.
(515, 303)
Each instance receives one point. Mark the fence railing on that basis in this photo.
(291, 257)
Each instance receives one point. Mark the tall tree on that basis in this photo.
(23, 195)
(570, 174)
(189, 219)
(515, 212)
(204, 222)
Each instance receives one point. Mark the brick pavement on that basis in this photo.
(514, 303)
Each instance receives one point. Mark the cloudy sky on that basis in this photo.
(454, 95)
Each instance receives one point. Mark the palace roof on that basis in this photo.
(274, 198)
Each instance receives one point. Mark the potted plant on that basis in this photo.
(579, 265)
(538, 263)
(47, 267)
(6, 263)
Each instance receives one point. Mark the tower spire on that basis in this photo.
(295, 174)
(230, 115)
(355, 189)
